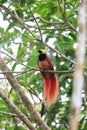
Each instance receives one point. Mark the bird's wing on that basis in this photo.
(46, 64)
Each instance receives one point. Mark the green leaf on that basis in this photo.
(19, 128)
(25, 81)
(32, 60)
(14, 66)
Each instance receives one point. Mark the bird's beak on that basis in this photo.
(39, 51)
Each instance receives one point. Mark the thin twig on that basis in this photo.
(24, 25)
(36, 69)
(36, 22)
(46, 21)
(65, 19)
(8, 114)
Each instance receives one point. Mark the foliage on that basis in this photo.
(30, 25)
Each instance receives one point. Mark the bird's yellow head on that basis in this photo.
(42, 51)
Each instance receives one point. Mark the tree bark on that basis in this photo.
(78, 75)
(21, 91)
(17, 111)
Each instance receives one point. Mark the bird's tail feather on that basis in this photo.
(50, 90)
(47, 84)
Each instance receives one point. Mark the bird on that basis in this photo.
(51, 86)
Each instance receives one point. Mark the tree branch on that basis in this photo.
(36, 22)
(59, 53)
(33, 68)
(79, 76)
(46, 21)
(18, 88)
(17, 111)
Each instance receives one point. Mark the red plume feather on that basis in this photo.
(50, 90)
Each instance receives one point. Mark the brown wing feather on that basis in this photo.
(46, 65)
(50, 63)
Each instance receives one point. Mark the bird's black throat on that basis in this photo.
(42, 57)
